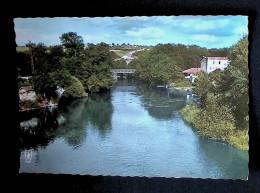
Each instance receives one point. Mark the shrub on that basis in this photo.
(28, 104)
(190, 113)
(181, 83)
(239, 139)
(214, 120)
(75, 89)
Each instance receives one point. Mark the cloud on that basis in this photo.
(241, 30)
(205, 38)
(146, 33)
(96, 38)
(23, 36)
(208, 31)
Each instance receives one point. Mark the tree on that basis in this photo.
(202, 86)
(157, 67)
(73, 43)
(32, 53)
(215, 121)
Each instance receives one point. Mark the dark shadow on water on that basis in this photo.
(229, 159)
(38, 131)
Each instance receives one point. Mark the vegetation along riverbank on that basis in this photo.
(223, 113)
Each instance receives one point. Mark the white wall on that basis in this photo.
(31, 95)
(203, 64)
(213, 64)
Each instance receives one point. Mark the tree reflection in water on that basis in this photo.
(229, 159)
(69, 123)
(161, 103)
(95, 110)
(41, 133)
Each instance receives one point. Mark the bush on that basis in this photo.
(28, 104)
(215, 121)
(190, 113)
(239, 139)
(99, 82)
(181, 83)
(39, 98)
(75, 89)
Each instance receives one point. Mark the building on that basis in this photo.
(190, 74)
(209, 64)
(27, 93)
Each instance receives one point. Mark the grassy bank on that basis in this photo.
(181, 84)
(222, 129)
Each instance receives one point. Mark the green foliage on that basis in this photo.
(75, 89)
(214, 121)
(165, 63)
(73, 43)
(157, 68)
(28, 104)
(202, 85)
(54, 57)
(240, 139)
(39, 98)
(22, 83)
(55, 67)
(60, 78)
(181, 83)
(122, 53)
(99, 82)
(190, 114)
(79, 67)
(120, 64)
(100, 61)
(224, 96)
(22, 49)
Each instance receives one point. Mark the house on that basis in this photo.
(190, 74)
(209, 64)
(27, 93)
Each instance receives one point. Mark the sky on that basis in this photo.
(203, 31)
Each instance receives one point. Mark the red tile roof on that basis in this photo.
(25, 89)
(193, 70)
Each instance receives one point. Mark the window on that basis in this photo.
(213, 62)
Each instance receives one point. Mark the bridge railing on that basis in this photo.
(123, 71)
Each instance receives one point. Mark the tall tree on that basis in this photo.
(73, 43)
(31, 47)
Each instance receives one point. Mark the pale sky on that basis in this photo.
(204, 31)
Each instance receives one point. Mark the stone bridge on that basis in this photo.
(122, 71)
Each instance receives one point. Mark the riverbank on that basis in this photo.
(184, 85)
(237, 138)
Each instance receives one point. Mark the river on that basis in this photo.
(133, 130)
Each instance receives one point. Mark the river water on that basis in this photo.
(133, 130)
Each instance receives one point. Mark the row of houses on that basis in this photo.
(208, 65)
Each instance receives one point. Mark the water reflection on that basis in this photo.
(73, 123)
(230, 160)
(99, 110)
(94, 111)
(38, 131)
(161, 103)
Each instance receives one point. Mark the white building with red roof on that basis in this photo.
(209, 64)
(27, 93)
(190, 74)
